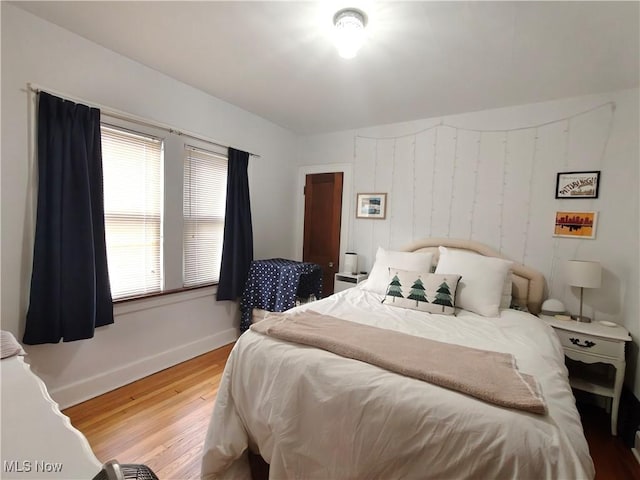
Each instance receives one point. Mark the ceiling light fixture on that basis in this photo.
(349, 31)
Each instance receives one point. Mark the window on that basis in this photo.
(132, 172)
(160, 236)
(205, 191)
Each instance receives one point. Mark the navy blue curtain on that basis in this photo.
(70, 292)
(237, 249)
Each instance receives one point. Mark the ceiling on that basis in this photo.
(420, 60)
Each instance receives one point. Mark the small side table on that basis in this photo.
(342, 281)
(273, 285)
(594, 343)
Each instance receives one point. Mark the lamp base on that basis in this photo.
(581, 319)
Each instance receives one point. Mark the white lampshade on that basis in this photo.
(584, 274)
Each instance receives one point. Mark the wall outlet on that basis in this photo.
(636, 448)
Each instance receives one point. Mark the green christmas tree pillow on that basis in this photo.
(424, 291)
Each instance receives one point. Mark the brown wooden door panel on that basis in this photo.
(322, 217)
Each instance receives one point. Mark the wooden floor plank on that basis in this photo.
(156, 384)
(161, 421)
(612, 458)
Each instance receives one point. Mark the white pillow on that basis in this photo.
(483, 278)
(379, 277)
(423, 291)
(9, 346)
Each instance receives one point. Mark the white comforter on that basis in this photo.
(38, 441)
(313, 414)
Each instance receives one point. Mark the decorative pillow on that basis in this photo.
(379, 277)
(424, 291)
(483, 279)
(507, 291)
(9, 346)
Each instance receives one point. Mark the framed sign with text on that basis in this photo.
(577, 184)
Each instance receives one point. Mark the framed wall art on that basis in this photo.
(577, 184)
(371, 205)
(576, 224)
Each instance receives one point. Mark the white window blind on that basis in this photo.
(205, 192)
(132, 170)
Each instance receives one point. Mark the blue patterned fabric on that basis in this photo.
(274, 284)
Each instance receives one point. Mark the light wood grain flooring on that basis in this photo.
(160, 420)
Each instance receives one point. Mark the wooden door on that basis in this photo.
(322, 216)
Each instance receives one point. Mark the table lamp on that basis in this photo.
(351, 262)
(583, 274)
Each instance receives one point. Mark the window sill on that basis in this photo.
(161, 294)
(159, 299)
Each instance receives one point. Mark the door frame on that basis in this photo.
(347, 183)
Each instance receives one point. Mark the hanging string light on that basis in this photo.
(527, 196)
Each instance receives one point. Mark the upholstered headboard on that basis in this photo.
(528, 284)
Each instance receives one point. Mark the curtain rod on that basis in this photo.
(117, 114)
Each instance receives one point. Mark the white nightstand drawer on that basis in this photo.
(342, 281)
(591, 344)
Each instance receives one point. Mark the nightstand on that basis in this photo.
(594, 343)
(342, 281)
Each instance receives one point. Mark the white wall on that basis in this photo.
(147, 335)
(511, 209)
(492, 179)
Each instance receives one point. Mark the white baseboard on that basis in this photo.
(636, 447)
(91, 387)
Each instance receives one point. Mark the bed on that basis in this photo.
(313, 414)
(38, 441)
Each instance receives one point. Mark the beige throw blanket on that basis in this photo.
(489, 376)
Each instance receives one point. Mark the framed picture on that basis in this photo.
(576, 224)
(371, 205)
(577, 184)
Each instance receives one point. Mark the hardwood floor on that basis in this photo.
(161, 421)
(612, 458)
